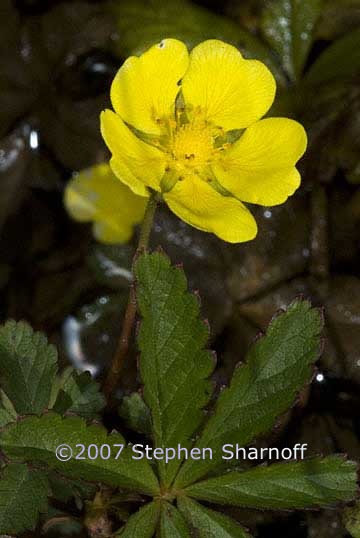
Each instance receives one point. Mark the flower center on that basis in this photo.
(192, 145)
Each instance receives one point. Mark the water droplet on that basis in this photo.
(305, 252)
(72, 341)
(34, 139)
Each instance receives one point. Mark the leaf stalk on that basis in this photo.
(114, 373)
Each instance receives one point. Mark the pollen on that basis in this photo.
(193, 144)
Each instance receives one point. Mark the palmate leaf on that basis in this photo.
(143, 523)
(28, 366)
(172, 523)
(23, 494)
(174, 366)
(208, 523)
(276, 367)
(297, 485)
(34, 439)
(288, 27)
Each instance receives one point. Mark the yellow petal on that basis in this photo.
(96, 194)
(260, 167)
(231, 91)
(136, 163)
(198, 204)
(144, 90)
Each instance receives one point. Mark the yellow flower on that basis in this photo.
(96, 194)
(189, 126)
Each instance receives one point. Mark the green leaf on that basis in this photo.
(174, 365)
(288, 27)
(5, 417)
(276, 367)
(339, 61)
(351, 520)
(142, 23)
(7, 410)
(79, 394)
(136, 413)
(35, 439)
(28, 366)
(304, 484)
(143, 523)
(63, 489)
(172, 523)
(208, 523)
(23, 494)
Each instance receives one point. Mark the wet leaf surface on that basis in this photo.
(280, 251)
(288, 26)
(90, 336)
(46, 49)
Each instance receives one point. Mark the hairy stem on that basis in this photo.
(113, 376)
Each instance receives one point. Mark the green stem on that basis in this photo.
(117, 363)
(147, 223)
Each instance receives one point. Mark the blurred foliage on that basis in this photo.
(352, 520)
(142, 23)
(288, 27)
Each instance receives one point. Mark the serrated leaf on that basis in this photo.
(35, 439)
(288, 26)
(142, 23)
(23, 494)
(79, 394)
(143, 523)
(136, 413)
(208, 523)
(172, 523)
(276, 367)
(174, 365)
(28, 366)
(340, 61)
(303, 484)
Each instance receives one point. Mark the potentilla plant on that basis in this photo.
(186, 130)
(186, 457)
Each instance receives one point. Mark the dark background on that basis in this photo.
(57, 60)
